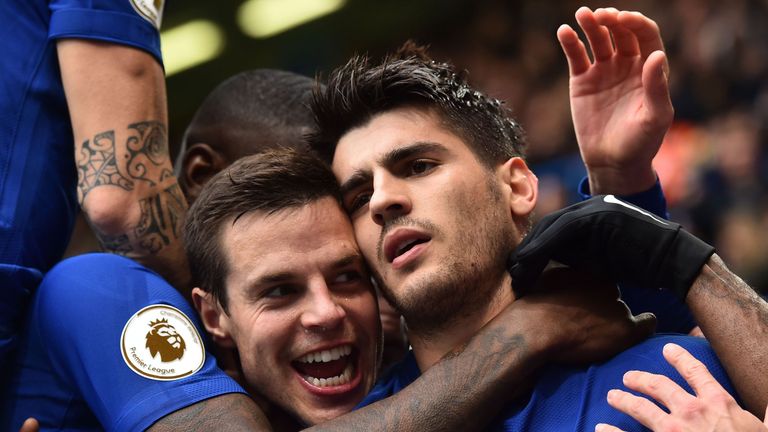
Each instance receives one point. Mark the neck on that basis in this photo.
(430, 347)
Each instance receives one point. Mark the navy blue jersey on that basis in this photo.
(108, 344)
(37, 168)
(570, 399)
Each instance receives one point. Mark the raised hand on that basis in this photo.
(619, 100)
(710, 409)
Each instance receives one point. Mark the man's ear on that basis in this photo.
(521, 186)
(200, 162)
(215, 320)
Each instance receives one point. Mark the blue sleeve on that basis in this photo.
(83, 309)
(127, 22)
(673, 315)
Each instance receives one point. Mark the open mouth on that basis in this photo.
(402, 242)
(327, 368)
(405, 247)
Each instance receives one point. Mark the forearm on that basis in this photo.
(464, 391)
(735, 321)
(126, 186)
(231, 412)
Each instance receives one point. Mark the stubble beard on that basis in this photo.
(467, 280)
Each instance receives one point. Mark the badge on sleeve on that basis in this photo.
(159, 342)
(151, 10)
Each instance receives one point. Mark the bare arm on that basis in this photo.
(230, 412)
(126, 187)
(469, 387)
(735, 321)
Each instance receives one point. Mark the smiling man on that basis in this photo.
(285, 283)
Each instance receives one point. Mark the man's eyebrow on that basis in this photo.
(275, 277)
(396, 155)
(353, 258)
(362, 176)
(358, 178)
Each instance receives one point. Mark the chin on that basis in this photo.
(322, 415)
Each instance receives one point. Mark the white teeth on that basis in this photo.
(342, 379)
(326, 355)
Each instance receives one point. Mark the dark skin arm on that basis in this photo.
(470, 386)
(735, 321)
(230, 412)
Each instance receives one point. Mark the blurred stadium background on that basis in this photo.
(712, 165)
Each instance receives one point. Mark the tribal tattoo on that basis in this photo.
(159, 225)
(97, 165)
(102, 162)
(147, 151)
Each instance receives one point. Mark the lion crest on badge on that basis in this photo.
(164, 339)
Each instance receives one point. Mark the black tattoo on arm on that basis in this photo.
(734, 319)
(147, 151)
(160, 223)
(97, 165)
(102, 161)
(230, 412)
(460, 393)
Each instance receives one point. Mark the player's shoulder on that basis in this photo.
(655, 344)
(100, 280)
(94, 270)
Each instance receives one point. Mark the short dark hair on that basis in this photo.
(275, 180)
(358, 91)
(261, 103)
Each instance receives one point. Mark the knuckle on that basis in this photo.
(691, 409)
(695, 368)
(655, 382)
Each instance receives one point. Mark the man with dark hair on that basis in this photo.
(438, 203)
(92, 352)
(284, 283)
(60, 368)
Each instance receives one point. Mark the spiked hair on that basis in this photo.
(358, 91)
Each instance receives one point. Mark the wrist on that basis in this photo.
(620, 180)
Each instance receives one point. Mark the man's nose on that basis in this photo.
(390, 199)
(323, 311)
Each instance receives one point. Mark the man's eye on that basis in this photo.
(346, 277)
(280, 291)
(420, 166)
(359, 201)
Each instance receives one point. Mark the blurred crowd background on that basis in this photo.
(712, 165)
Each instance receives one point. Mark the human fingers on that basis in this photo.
(656, 97)
(645, 29)
(624, 40)
(692, 370)
(639, 408)
(30, 425)
(603, 427)
(598, 36)
(659, 387)
(574, 49)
